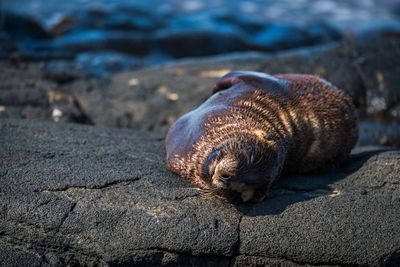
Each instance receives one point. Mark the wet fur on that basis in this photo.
(288, 123)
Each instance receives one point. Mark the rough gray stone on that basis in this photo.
(153, 98)
(132, 98)
(27, 91)
(14, 256)
(75, 194)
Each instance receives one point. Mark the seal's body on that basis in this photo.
(255, 126)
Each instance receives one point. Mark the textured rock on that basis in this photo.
(92, 40)
(132, 99)
(23, 27)
(379, 134)
(380, 75)
(7, 46)
(152, 99)
(105, 62)
(27, 91)
(282, 36)
(74, 194)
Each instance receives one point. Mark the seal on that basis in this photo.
(256, 126)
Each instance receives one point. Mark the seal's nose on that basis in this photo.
(226, 180)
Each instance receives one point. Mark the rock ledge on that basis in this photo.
(77, 194)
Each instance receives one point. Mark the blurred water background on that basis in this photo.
(100, 36)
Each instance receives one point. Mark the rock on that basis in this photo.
(379, 134)
(11, 256)
(24, 28)
(92, 40)
(197, 43)
(214, 32)
(330, 222)
(380, 76)
(105, 62)
(121, 17)
(323, 33)
(132, 98)
(96, 63)
(155, 31)
(127, 208)
(278, 36)
(7, 46)
(247, 24)
(24, 94)
(61, 72)
(123, 20)
(153, 98)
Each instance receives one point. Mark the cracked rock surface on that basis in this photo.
(79, 194)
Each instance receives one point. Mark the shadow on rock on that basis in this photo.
(291, 189)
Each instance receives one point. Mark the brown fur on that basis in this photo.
(255, 126)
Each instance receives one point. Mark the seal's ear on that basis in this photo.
(227, 81)
(250, 78)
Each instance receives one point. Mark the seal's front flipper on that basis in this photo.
(248, 78)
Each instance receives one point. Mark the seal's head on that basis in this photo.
(241, 169)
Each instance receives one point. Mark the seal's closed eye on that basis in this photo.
(251, 157)
(225, 179)
(209, 166)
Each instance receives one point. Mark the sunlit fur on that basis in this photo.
(255, 126)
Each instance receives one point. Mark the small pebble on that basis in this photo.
(133, 82)
(173, 96)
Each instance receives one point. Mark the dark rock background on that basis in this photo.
(99, 193)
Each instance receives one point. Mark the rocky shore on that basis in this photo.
(153, 98)
(99, 195)
(90, 195)
(83, 178)
(101, 37)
